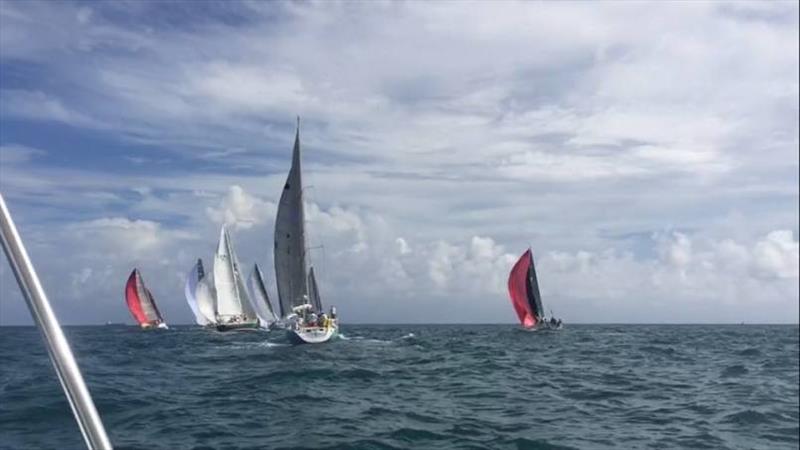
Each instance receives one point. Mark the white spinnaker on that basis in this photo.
(260, 298)
(194, 277)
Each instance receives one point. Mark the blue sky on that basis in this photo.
(648, 152)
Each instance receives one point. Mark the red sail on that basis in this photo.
(518, 290)
(133, 300)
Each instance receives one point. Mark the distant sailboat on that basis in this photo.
(523, 288)
(199, 301)
(261, 302)
(233, 308)
(141, 303)
(298, 294)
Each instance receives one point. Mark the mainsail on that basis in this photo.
(313, 291)
(290, 242)
(140, 301)
(261, 300)
(232, 298)
(190, 290)
(523, 288)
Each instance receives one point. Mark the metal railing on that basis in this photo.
(94, 434)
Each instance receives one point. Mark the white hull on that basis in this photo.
(311, 335)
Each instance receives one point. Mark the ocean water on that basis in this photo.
(420, 387)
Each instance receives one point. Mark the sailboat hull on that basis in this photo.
(236, 326)
(544, 326)
(312, 335)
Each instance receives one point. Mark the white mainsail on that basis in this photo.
(290, 242)
(260, 298)
(232, 298)
(190, 290)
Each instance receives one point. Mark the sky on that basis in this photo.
(646, 152)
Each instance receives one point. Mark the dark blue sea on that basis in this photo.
(414, 387)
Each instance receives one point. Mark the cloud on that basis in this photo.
(240, 209)
(18, 154)
(37, 105)
(777, 255)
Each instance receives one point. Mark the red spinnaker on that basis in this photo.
(133, 300)
(518, 290)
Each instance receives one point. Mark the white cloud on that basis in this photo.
(18, 154)
(240, 209)
(777, 255)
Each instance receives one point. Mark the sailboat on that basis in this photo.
(523, 288)
(298, 293)
(233, 308)
(263, 307)
(141, 303)
(199, 296)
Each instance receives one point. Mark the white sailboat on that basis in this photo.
(298, 294)
(263, 307)
(233, 308)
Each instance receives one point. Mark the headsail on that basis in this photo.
(523, 288)
(190, 290)
(313, 291)
(260, 298)
(206, 295)
(290, 242)
(140, 301)
(232, 299)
